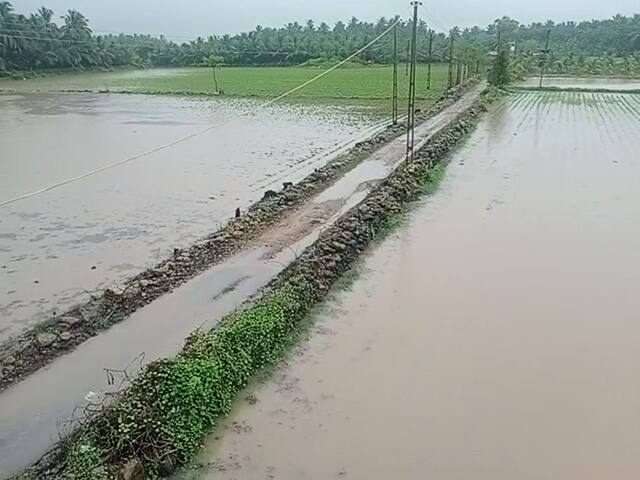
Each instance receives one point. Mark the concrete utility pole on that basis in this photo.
(394, 101)
(431, 35)
(411, 117)
(406, 65)
(451, 60)
(545, 56)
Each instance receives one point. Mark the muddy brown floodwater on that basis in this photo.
(57, 246)
(493, 337)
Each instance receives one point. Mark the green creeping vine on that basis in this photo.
(168, 410)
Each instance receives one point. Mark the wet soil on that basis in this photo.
(492, 337)
(198, 303)
(103, 229)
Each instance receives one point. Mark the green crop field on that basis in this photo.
(360, 85)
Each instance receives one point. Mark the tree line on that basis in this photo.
(37, 42)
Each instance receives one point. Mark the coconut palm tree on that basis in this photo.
(76, 26)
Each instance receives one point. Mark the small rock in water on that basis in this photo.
(116, 290)
(69, 320)
(46, 339)
(338, 246)
(10, 360)
(91, 397)
(270, 194)
(132, 470)
(93, 267)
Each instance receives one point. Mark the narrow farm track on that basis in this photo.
(33, 411)
(493, 336)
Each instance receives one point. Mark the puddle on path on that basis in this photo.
(493, 337)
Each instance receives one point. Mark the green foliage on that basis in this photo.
(500, 75)
(168, 410)
(37, 43)
(369, 86)
(214, 61)
(526, 63)
(84, 461)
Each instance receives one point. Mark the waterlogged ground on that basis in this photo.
(494, 336)
(58, 393)
(371, 85)
(59, 245)
(587, 83)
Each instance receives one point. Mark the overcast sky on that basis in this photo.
(201, 17)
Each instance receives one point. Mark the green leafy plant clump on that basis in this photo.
(168, 410)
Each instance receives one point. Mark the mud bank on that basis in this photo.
(159, 423)
(38, 346)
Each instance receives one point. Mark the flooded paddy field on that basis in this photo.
(595, 83)
(366, 85)
(58, 246)
(36, 410)
(493, 336)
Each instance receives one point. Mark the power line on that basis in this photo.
(200, 132)
(433, 18)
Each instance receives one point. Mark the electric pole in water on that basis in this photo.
(394, 101)
(411, 117)
(545, 56)
(451, 60)
(406, 66)
(431, 34)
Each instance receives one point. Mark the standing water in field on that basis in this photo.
(494, 336)
(57, 247)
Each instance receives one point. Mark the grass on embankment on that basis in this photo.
(362, 84)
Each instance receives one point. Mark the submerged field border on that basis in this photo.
(159, 423)
(39, 345)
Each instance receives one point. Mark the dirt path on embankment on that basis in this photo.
(39, 345)
(159, 328)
